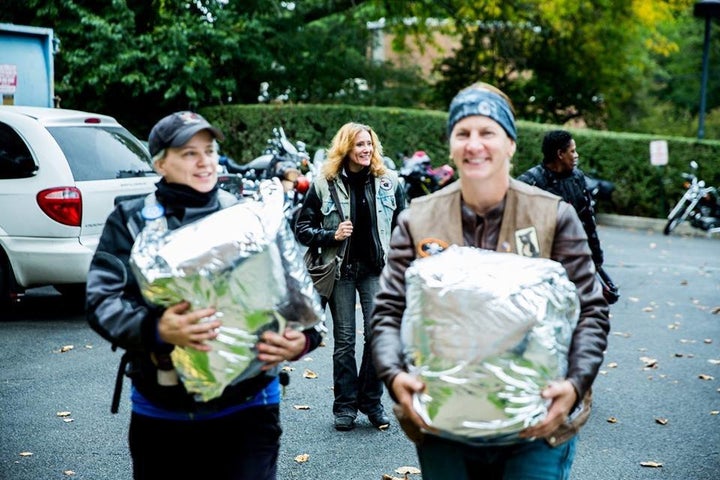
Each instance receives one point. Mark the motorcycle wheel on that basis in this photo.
(674, 221)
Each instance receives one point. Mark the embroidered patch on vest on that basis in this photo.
(430, 246)
(526, 242)
(386, 183)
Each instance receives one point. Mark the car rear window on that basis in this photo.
(15, 158)
(102, 153)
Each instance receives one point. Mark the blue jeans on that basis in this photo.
(537, 460)
(354, 390)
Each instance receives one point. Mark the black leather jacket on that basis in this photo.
(117, 310)
(571, 187)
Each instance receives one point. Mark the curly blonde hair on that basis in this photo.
(344, 142)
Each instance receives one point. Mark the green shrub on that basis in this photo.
(641, 189)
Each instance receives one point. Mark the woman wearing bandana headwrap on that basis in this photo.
(470, 212)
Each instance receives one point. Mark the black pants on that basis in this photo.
(241, 446)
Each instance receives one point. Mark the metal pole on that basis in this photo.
(703, 86)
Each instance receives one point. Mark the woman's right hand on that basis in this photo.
(344, 230)
(404, 386)
(180, 326)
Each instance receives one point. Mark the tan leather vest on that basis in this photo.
(527, 228)
(528, 224)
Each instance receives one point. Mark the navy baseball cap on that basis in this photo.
(176, 129)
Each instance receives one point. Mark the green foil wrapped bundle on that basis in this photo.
(486, 332)
(242, 260)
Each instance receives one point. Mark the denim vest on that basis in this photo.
(384, 208)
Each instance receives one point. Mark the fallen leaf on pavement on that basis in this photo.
(622, 334)
(66, 348)
(702, 376)
(68, 473)
(612, 365)
(649, 362)
(301, 407)
(715, 310)
(651, 464)
(708, 340)
(612, 420)
(62, 414)
(714, 361)
(714, 412)
(302, 458)
(26, 454)
(662, 421)
(648, 309)
(407, 471)
(633, 299)
(309, 374)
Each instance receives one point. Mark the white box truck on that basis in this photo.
(27, 65)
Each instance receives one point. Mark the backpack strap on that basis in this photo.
(136, 223)
(117, 393)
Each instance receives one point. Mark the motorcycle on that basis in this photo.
(420, 178)
(282, 159)
(699, 204)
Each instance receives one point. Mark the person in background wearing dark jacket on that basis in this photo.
(559, 174)
(233, 437)
(470, 212)
(371, 198)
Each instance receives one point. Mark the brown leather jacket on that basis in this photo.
(567, 245)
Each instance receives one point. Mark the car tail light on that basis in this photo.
(62, 204)
(302, 184)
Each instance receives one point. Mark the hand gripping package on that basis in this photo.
(486, 332)
(242, 260)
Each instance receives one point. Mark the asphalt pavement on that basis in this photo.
(656, 400)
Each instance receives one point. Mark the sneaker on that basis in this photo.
(344, 423)
(379, 420)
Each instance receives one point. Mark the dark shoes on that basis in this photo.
(344, 423)
(379, 420)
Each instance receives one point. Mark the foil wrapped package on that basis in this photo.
(244, 261)
(486, 332)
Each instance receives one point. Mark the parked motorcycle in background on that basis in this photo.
(420, 178)
(700, 205)
(282, 159)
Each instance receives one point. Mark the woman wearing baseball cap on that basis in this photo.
(235, 436)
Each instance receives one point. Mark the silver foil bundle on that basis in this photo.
(242, 260)
(486, 332)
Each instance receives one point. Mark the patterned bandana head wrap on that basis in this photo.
(481, 101)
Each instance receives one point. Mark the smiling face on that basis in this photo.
(567, 159)
(361, 153)
(195, 164)
(481, 148)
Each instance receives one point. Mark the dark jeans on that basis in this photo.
(441, 458)
(241, 446)
(354, 390)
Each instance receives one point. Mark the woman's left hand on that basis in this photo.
(563, 398)
(274, 348)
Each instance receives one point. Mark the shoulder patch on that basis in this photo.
(430, 246)
(386, 183)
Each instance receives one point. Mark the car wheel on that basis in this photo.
(73, 293)
(5, 282)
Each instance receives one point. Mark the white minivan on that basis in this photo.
(61, 174)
